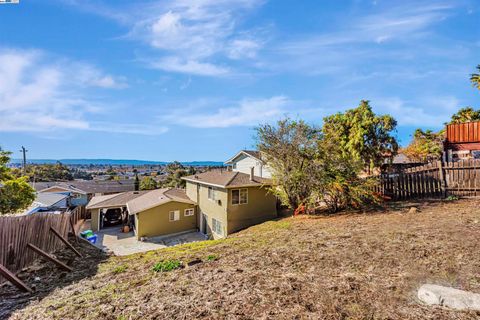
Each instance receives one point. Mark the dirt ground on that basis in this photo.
(350, 266)
(44, 277)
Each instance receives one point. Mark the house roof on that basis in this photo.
(113, 200)
(155, 198)
(48, 199)
(89, 186)
(65, 188)
(227, 179)
(249, 153)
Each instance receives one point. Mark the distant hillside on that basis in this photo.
(115, 162)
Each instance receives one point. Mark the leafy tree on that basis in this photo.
(309, 168)
(137, 182)
(425, 146)
(363, 135)
(148, 183)
(339, 185)
(289, 149)
(475, 78)
(15, 193)
(175, 171)
(46, 172)
(466, 114)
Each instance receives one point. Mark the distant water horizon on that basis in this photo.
(115, 162)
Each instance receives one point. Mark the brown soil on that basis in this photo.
(44, 277)
(352, 266)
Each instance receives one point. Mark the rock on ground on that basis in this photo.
(449, 297)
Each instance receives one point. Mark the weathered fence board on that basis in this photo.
(17, 231)
(433, 180)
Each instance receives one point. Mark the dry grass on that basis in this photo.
(357, 266)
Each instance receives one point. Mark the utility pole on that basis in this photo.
(24, 151)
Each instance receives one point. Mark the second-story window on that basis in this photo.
(239, 196)
(211, 194)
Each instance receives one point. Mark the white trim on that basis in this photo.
(160, 204)
(248, 185)
(189, 209)
(203, 183)
(242, 152)
(258, 184)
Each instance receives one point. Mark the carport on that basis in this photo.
(106, 209)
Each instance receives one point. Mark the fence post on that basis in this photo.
(442, 179)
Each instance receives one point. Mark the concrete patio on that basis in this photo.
(121, 244)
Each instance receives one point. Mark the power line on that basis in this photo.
(24, 151)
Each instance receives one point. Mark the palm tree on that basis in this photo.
(475, 78)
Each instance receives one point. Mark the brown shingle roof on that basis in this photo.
(155, 198)
(118, 200)
(227, 179)
(90, 186)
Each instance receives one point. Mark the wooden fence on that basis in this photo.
(18, 231)
(433, 180)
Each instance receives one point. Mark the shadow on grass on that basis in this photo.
(44, 276)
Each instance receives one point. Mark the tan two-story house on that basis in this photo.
(217, 203)
(228, 201)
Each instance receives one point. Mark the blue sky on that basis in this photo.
(189, 80)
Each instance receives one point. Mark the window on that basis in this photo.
(174, 215)
(211, 194)
(239, 196)
(217, 226)
(189, 212)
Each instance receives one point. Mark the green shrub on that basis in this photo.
(120, 269)
(212, 257)
(167, 265)
(451, 198)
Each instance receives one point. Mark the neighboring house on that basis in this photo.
(399, 162)
(75, 197)
(153, 213)
(228, 201)
(47, 202)
(462, 141)
(81, 191)
(244, 160)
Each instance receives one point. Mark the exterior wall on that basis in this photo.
(61, 203)
(243, 163)
(95, 220)
(261, 206)
(79, 200)
(191, 190)
(213, 209)
(155, 221)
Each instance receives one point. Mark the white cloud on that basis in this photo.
(41, 93)
(247, 112)
(392, 33)
(425, 112)
(194, 67)
(243, 48)
(192, 36)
